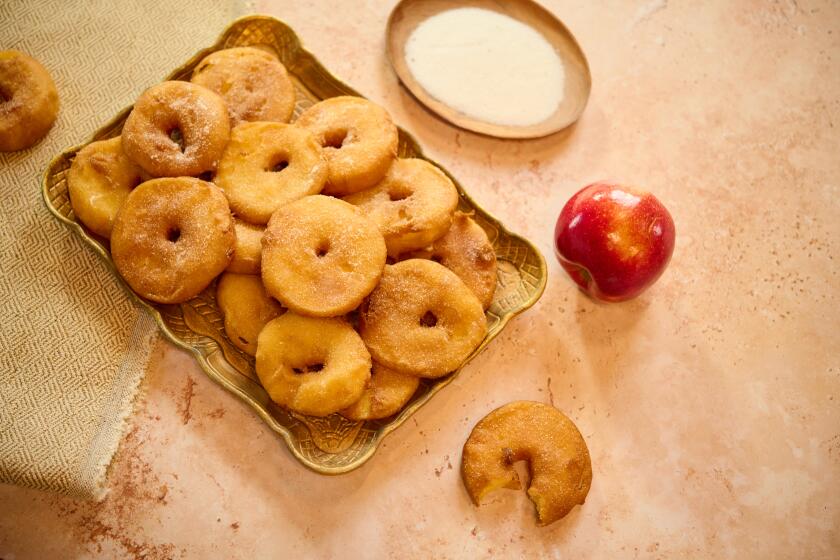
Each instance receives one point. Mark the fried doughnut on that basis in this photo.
(254, 84)
(246, 308)
(321, 256)
(413, 204)
(267, 165)
(314, 366)
(28, 101)
(359, 140)
(561, 471)
(100, 178)
(176, 129)
(422, 319)
(386, 393)
(466, 251)
(172, 237)
(247, 254)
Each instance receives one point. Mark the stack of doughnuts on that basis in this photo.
(345, 271)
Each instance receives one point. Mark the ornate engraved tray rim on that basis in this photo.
(213, 357)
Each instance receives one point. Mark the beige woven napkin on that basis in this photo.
(73, 348)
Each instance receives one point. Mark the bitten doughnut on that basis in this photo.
(413, 204)
(314, 366)
(267, 165)
(246, 309)
(100, 178)
(28, 101)
(254, 84)
(321, 256)
(172, 237)
(422, 319)
(359, 139)
(466, 251)
(561, 471)
(176, 129)
(385, 394)
(247, 254)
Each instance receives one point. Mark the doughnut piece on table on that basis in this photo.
(321, 256)
(314, 366)
(176, 129)
(561, 470)
(422, 319)
(359, 138)
(172, 237)
(99, 180)
(28, 101)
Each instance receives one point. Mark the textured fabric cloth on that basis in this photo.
(73, 347)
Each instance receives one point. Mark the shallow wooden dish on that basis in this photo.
(408, 14)
(330, 445)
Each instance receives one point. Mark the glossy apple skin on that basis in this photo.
(614, 241)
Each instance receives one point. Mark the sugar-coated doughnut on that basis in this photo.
(246, 309)
(314, 366)
(561, 470)
(359, 138)
(267, 165)
(247, 255)
(177, 129)
(172, 237)
(100, 178)
(385, 394)
(413, 204)
(466, 251)
(422, 319)
(254, 84)
(321, 256)
(28, 101)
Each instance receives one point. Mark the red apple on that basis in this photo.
(614, 241)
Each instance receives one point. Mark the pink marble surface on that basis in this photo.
(710, 404)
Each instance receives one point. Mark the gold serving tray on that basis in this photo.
(330, 445)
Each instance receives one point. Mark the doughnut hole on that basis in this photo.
(335, 139)
(178, 137)
(173, 234)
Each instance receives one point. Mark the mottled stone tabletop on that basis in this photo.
(709, 404)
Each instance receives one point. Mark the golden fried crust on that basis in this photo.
(98, 182)
(198, 114)
(321, 256)
(561, 471)
(385, 394)
(466, 251)
(314, 366)
(247, 255)
(268, 165)
(246, 309)
(422, 319)
(172, 237)
(413, 204)
(254, 84)
(28, 101)
(359, 139)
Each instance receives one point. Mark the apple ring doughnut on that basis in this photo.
(561, 470)
(268, 165)
(99, 179)
(314, 366)
(413, 205)
(321, 256)
(246, 309)
(422, 319)
(247, 254)
(28, 101)
(385, 394)
(176, 129)
(172, 237)
(359, 138)
(253, 84)
(466, 251)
